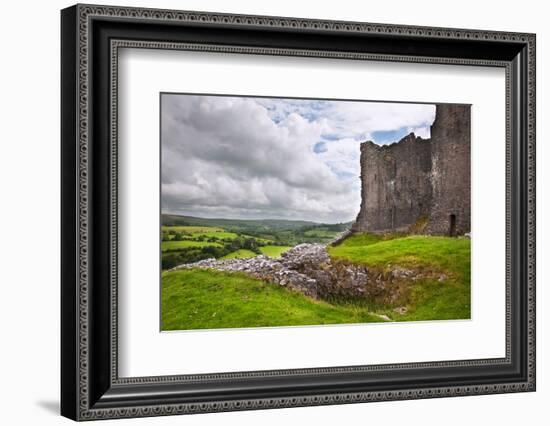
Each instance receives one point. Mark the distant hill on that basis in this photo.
(245, 225)
(187, 239)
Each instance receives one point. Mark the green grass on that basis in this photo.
(216, 234)
(200, 231)
(175, 245)
(207, 299)
(260, 239)
(357, 240)
(321, 233)
(192, 229)
(451, 254)
(241, 254)
(274, 251)
(429, 298)
(203, 299)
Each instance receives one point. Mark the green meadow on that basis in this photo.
(193, 298)
(207, 299)
(274, 251)
(240, 254)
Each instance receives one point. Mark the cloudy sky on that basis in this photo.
(258, 158)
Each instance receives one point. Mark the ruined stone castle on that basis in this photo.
(419, 184)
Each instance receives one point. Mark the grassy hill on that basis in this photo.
(213, 299)
(430, 298)
(206, 299)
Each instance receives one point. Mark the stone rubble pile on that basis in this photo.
(308, 269)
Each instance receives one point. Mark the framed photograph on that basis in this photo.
(263, 212)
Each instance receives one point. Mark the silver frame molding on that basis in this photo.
(91, 389)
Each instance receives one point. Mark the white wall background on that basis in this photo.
(29, 225)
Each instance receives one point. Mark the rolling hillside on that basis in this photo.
(187, 239)
(431, 276)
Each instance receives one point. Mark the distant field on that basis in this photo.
(198, 232)
(274, 251)
(193, 229)
(321, 233)
(260, 239)
(268, 231)
(187, 239)
(241, 254)
(199, 299)
(173, 245)
(240, 224)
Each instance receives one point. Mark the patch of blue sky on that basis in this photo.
(385, 137)
(344, 175)
(280, 109)
(320, 147)
(310, 116)
(331, 136)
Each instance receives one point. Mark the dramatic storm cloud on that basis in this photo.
(273, 158)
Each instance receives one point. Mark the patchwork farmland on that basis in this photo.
(186, 239)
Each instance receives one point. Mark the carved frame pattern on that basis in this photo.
(85, 13)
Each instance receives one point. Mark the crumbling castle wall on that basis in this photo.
(417, 178)
(450, 135)
(396, 186)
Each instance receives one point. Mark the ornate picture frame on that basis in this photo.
(91, 37)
